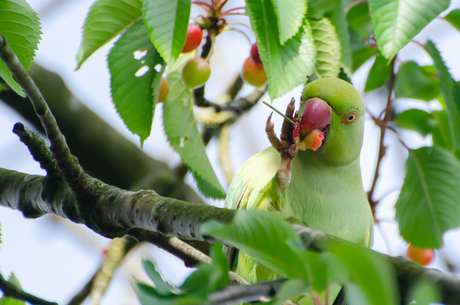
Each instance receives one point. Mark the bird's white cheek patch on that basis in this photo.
(313, 140)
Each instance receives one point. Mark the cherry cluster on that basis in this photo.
(197, 71)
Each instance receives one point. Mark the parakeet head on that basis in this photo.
(332, 121)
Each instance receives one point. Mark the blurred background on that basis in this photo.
(53, 258)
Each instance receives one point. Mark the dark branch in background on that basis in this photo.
(382, 124)
(12, 291)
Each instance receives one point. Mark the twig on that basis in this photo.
(103, 278)
(12, 291)
(251, 293)
(238, 107)
(224, 153)
(41, 153)
(85, 291)
(70, 168)
(382, 149)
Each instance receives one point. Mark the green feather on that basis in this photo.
(325, 192)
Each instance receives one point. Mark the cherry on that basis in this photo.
(163, 90)
(253, 73)
(420, 256)
(254, 53)
(196, 72)
(193, 38)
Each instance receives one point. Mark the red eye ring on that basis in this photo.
(350, 118)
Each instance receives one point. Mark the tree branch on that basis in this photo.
(67, 163)
(12, 291)
(251, 293)
(382, 149)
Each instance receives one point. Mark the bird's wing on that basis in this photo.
(253, 186)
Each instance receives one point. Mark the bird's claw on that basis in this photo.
(287, 146)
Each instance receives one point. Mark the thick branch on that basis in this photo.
(114, 211)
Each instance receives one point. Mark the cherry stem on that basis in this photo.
(233, 9)
(277, 111)
(202, 4)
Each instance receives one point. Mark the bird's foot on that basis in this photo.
(287, 146)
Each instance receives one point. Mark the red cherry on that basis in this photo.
(254, 53)
(163, 90)
(193, 38)
(196, 72)
(420, 256)
(253, 73)
(315, 115)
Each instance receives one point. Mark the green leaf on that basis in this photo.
(374, 275)
(289, 16)
(454, 18)
(378, 74)
(358, 19)
(361, 52)
(414, 81)
(149, 295)
(286, 65)
(183, 135)
(135, 71)
(450, 93)
(327, 48)
(208, 277)
(428, 203)
(21, 27)
(416, 120)
(264, 237)
(106, 20)
(396, 22)
(318, 9)
(424, 293)
(162, 286)
(167, 22)
(338, 19)
(289, 289)
(442, 135)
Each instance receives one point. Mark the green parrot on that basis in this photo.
(313, 176)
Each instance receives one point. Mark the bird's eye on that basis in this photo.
(350, 118)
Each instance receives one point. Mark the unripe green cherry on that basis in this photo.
(196, 72)
(253, 73)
